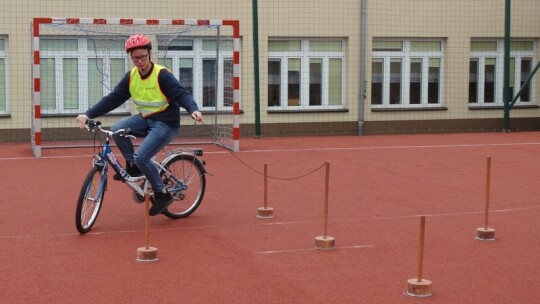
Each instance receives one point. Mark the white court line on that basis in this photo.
(397, 217)
(314, 149)
(437, 214)
(393, 147)
(92, 233)
(311, 249)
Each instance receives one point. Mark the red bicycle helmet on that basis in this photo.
(138, 41)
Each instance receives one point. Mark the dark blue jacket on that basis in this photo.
(177, 95)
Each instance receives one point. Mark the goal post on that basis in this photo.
(77, 61)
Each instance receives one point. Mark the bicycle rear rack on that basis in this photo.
(194, 151)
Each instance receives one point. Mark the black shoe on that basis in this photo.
(160, 202)
(132, 170)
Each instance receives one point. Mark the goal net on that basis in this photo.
(77, 61)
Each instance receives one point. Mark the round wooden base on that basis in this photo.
(485, 234)
(419, 289)
(267, 212)
(147, 254)
(325, 242)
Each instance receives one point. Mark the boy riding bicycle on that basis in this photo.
(158, 97)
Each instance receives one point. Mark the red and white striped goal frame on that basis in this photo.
(36, 97)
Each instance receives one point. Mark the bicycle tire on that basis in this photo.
(90, 199)
(190, 171)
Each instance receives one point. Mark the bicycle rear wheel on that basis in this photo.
(90, 199)
(187, 172)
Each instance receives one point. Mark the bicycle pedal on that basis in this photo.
(135, 179)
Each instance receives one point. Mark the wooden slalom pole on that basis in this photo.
(265, 211)
(326, 242)
(488, 185)
(146, 253)
(421, 248)
(265, 186)
(485, 233)
(326, 190)
(420, 287)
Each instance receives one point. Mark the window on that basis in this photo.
(415, 95)
(305, 74)
(294, 78)
(4, 104)
(274, 82)
(526, 69)
(76, 72)
(473, 80)
(185, 72)
(486, 71)
(315, 82)
(434, 74)
(395, 81)
(406, 73)
(193, 61)
(489, 80)
(377, 77)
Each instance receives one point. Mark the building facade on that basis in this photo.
(308, 67)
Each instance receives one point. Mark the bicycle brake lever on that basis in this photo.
(91, 124)
(126, 134)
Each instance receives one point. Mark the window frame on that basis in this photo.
(198, 55)
(4, 56)
(83, 54)
(498, 55)
(306, 55)
(401, 49)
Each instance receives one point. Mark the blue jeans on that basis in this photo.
(157, 135)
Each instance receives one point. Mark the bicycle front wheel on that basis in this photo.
(187, 184)
(90, 199)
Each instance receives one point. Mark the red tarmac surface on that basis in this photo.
(223, 253)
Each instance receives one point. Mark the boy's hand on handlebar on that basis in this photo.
(82, 119)
(197, 116)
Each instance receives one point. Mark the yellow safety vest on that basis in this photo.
(146, 93)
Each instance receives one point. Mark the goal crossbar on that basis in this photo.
(200, 50)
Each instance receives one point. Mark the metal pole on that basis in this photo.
(506, 89)
(362, 76)
(256, 68)
(216, 83)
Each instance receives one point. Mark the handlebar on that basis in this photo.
(92, 125)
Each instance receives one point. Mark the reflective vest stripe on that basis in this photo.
(146, 93)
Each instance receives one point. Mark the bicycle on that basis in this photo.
(182, 172)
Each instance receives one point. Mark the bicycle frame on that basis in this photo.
(107, 157)
(182, 173)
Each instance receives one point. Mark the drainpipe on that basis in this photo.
(362, 76)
